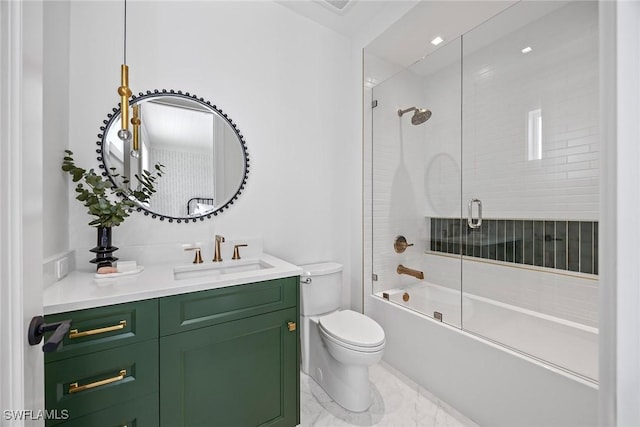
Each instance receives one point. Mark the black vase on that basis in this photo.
(104, 250)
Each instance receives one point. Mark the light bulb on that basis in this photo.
(124, 134)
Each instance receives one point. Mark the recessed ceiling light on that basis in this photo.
(338, 4)
(526, 49)
(339, 7)
(437, 41)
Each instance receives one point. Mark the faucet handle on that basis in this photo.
(198, 258)
(236, 250)
(400, 244)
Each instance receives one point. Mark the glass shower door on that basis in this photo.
(416, 172)
(530, 159)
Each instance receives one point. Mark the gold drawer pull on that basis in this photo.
(291, 326)
(75, 388)
(75, 334)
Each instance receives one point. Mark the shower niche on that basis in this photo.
(496, 182)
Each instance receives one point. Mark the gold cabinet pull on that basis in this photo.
(75, 334)
(75, 388)
(291, 326)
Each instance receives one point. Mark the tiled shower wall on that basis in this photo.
(502, 85)
(562, 245)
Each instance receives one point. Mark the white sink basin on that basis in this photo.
(219, 269)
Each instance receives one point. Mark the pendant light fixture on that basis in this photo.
(125, 93)
(135, 123)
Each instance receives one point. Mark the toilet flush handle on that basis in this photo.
(306, 280)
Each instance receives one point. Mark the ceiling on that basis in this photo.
(354, 19)
(399, 31)
(409, 38)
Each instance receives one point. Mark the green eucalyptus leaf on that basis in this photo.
(96, 192)
(77, 175)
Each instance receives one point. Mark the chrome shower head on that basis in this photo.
(420, 115)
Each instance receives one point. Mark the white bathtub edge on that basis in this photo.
(488, 383)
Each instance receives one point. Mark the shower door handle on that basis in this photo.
(470, 221)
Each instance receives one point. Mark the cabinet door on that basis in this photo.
(142, 412)
(243, 373)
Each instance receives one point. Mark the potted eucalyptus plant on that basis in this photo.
(107, 202)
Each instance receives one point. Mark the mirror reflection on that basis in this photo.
(203, 153)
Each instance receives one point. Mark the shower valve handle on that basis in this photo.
(400, 244)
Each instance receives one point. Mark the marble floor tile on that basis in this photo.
(396, 402)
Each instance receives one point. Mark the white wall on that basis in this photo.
(56, 107)
(620, 293)
(283, 79)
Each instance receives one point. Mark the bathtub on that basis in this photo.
(439, 302)
(562, 343)
(548, 381)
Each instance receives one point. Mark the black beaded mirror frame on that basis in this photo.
(111, 118)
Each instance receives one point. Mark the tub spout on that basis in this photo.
(410, 271)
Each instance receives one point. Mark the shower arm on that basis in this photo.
(401, 112)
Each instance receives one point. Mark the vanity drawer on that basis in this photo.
(107, 327)
(142, 412)
(206, 308)
(92, 382)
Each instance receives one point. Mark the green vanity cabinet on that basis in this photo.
(222, 357)
(229, 357)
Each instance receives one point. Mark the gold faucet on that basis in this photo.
(410, 271)
(216, 254)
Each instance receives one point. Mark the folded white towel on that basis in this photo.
(125, 266)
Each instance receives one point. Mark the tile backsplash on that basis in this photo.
(562, 245)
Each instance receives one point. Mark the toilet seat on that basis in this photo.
(352, 330)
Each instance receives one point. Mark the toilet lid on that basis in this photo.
(352, 328)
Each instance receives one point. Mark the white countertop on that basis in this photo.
(80, 289)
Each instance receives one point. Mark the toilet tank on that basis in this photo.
(320, 288)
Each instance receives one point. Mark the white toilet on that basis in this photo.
(338, 346)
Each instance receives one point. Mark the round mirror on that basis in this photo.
(203, 154)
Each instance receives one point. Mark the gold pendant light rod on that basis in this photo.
(135, 122)
(124, 91)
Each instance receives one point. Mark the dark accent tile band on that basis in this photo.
(561, 245)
